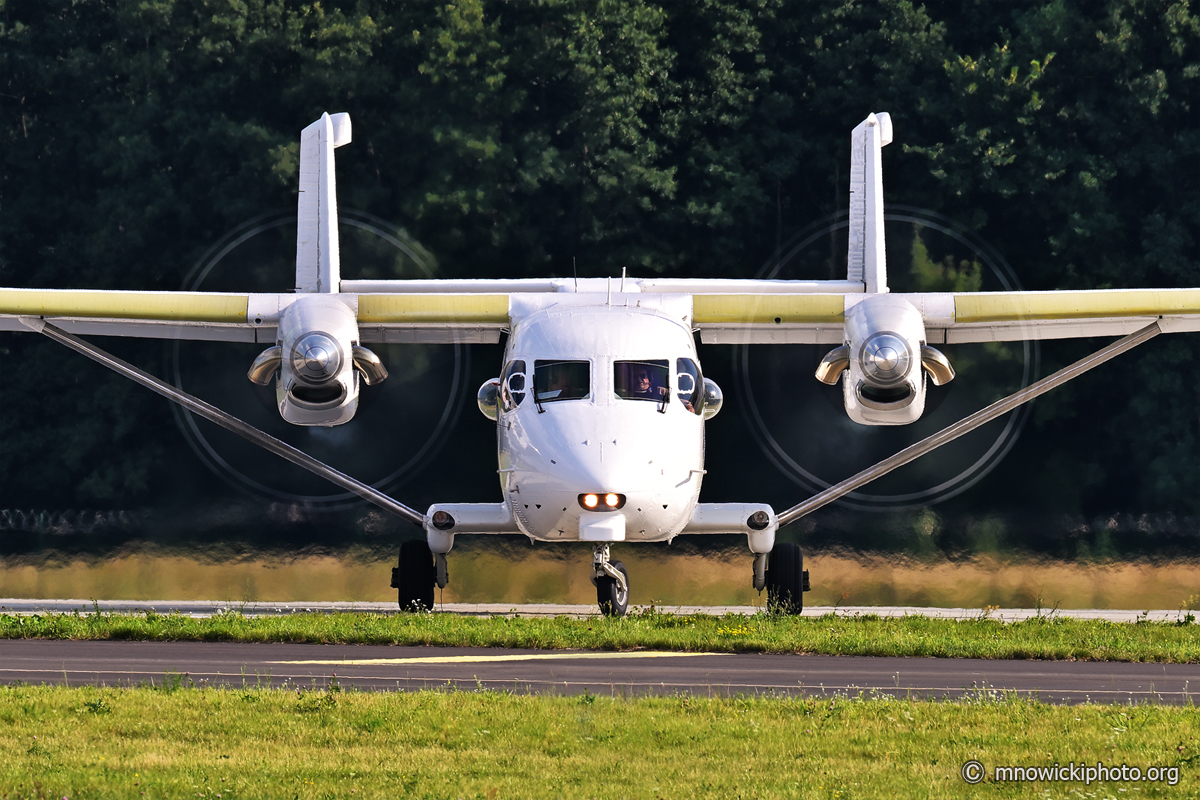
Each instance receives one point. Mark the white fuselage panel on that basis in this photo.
(650, 452)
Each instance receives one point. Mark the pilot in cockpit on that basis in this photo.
(644, 388)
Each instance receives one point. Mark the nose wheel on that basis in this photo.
(612, 583)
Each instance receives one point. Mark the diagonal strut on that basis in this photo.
(227, 421)
(968, 424)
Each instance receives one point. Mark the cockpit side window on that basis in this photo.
(691, 385)
(512, 385)
(641, 380)
(562, 380)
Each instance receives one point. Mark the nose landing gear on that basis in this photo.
(612, 583)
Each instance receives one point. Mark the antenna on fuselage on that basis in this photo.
(623, 280)
(575, 270)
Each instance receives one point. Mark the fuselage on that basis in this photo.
(601, 399)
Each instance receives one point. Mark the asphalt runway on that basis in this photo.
(375, 668)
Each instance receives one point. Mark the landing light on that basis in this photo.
(610, 501)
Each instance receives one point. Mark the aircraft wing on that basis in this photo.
(950, 318)
(209, 316)
(723, 311)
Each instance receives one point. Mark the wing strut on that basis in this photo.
(970, 423)
(219, 417)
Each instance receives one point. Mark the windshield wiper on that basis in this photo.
(536, 400)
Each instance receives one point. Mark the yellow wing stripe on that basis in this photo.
(165, 306)
(768, 308)
(1075, 305)
(490, 309)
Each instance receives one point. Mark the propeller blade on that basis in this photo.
(968, 424)
(227, 421)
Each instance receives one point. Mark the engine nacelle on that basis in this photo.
(315, 358)
(883, 362)
(317, 384)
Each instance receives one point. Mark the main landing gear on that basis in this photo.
(416, 575)
(784, 577)
(612, 583)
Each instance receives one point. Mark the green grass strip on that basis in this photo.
(256, 743)
(1054, 638)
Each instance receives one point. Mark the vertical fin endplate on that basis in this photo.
(866, 258)
(318, 262)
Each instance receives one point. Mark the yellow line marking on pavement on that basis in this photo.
(510, 657)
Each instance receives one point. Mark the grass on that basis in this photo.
(255, 742)
(1052, 638)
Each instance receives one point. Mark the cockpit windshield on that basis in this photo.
(561, 380)
(641, 380)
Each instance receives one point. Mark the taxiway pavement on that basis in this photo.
(372, 667)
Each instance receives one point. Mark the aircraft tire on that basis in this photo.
(613, 602)
(414, 578)
(785, 579)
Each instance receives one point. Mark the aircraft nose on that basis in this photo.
(607, 466)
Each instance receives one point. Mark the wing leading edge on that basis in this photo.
(434, 318)
(721, 317)
(952, 318)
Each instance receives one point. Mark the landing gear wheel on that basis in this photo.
(786, 579)
(613, 602)
(415, 576)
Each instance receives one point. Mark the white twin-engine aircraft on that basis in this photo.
(601, 403)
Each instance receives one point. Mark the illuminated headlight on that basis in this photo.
(316, 358)
(602, 502)
(885, 358)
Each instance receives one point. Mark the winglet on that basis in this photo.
(866, 258)
(318, 262)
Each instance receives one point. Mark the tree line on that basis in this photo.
(678, 138)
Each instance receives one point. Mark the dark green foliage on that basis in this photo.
(679, 138)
